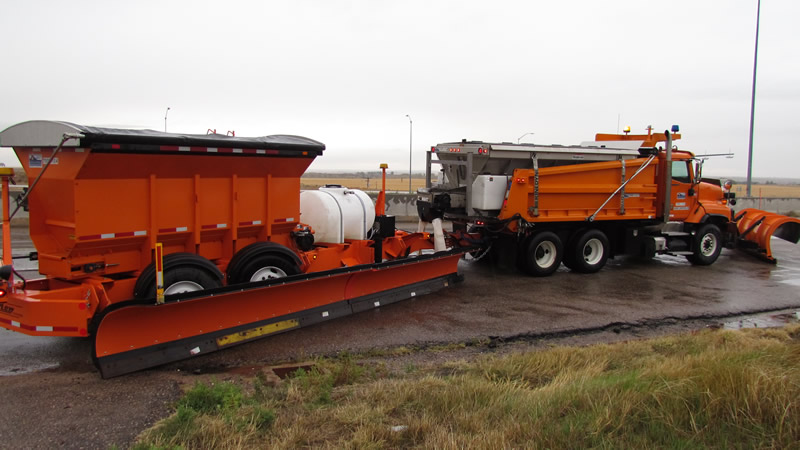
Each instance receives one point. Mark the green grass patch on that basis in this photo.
(716, 389)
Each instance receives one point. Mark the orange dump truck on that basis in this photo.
(163, 246)
(580, 205)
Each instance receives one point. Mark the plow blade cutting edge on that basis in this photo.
(137, 335)
(757, 227)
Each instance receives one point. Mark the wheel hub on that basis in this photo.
(267, 273)
(593, 251)
(545, 254)
(182, 286)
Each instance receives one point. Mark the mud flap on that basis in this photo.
(757, 227)
(138, 335)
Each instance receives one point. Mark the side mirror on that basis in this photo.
(698, 171)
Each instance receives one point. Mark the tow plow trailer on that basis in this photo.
(161, 246)
(123, 344)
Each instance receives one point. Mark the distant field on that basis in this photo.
(367, 184)
(768, 190)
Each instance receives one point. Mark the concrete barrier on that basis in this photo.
(789, 206)
(402, 206)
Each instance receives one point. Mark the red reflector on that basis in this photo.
(116, 146)
(433, 149)
(479, 222)
(521, 180)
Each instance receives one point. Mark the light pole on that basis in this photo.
(753, 106)
(165, 119)
(518, 139)
(410, 143)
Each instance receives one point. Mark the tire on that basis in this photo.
(188, 279)
(570, 244)
(185, 266)
(707, 245)
(588, 251)
(543, 254)
(264, 267)
(261, 261)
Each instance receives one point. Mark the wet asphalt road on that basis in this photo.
(53, 397)
(494, 301)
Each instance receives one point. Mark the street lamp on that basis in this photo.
(165, 119)
(524, 136)
(410, 142)
(753, 106)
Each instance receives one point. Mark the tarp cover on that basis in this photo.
(48, 133)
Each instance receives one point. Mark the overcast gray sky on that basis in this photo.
(347, 72)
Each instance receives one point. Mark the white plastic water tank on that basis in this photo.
(337, 213)
(489, 191)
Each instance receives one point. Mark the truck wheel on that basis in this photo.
(543, 254)
(707, 245)
(588, 252)
(261, 261)
(569, 246)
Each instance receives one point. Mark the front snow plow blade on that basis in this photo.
(757, 227)
(136, 335)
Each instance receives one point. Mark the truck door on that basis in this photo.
(682, 202)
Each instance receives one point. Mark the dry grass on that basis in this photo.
(717, 389)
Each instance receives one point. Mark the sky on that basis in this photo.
(347, 73)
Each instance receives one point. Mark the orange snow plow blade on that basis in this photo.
(757, 227)
(136, 335)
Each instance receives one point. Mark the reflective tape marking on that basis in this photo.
(41, 328)
(113, 235)
(257, 332)
(172, 230)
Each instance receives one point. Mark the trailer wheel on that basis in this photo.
(183, 272)
(543, 254)
(188, 279)
(588, 252)
(261, 261)
(707, 245)
(266, 267)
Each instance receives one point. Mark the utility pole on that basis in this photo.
(165, 119)
(410, 144)
(753, 108)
